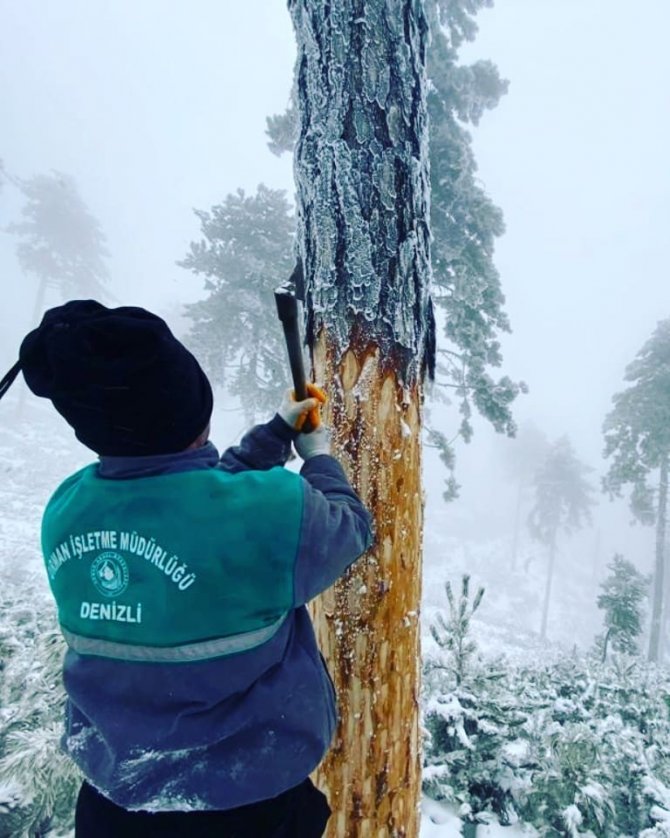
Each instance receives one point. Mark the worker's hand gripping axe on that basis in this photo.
(286, 298)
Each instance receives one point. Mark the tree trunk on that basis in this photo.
(659, 570)
(363, 201)
(596, 558)
(38, 307)
(38, 310)
(517, 523)
(605, 644)
(547, 589)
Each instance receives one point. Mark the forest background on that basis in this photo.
(573, 156)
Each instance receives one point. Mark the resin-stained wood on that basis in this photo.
(368, 624)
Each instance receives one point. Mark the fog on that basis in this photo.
(156, 108)
(575, 156)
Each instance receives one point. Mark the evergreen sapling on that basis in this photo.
(623, 593)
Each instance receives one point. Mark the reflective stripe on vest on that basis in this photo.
(187, 653)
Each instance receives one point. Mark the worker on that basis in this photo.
(198, 703)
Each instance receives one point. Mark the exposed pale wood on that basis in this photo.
(368, 624)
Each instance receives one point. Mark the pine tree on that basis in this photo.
(38, 782)
(454, 635)
(465, 225)
(468, 717)
(246, 251)
(563, 501)
(523, 456)
(621, 599)
(570, 746)
(361, 166)
(59, 241)
(464, 222)
(637, 438)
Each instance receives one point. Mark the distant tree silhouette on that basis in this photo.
(59, 241)
(563, 501)
(245, 252)
(522, 458)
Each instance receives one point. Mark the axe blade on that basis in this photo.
(286, 300)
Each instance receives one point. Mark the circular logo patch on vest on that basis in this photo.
(109, 574)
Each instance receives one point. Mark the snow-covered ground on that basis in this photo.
(441, 821)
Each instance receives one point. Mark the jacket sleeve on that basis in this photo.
(261, 448)
(336, 528)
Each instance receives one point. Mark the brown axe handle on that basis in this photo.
(287, 309)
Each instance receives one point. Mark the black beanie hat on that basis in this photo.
(119, 376)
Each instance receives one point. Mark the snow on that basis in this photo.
(438, 820)
(441, 820)
(11, 796)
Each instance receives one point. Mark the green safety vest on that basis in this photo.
(176, 567)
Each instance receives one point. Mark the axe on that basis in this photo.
(286, 298)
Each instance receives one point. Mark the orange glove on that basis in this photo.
(314, 414)
(295, 413)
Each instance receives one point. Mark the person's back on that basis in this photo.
(198, 702)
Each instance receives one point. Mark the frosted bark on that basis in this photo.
(362, 175)
(363, 204)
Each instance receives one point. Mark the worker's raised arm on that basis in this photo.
(335, 525)
(261, 448)
(269, 445)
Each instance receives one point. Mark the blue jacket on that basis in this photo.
(229, 730)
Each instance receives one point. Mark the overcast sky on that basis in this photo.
(576, 156)
(159, 106)
(154, 107)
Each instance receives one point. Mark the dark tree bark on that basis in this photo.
(517, 522)
(363, 204)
